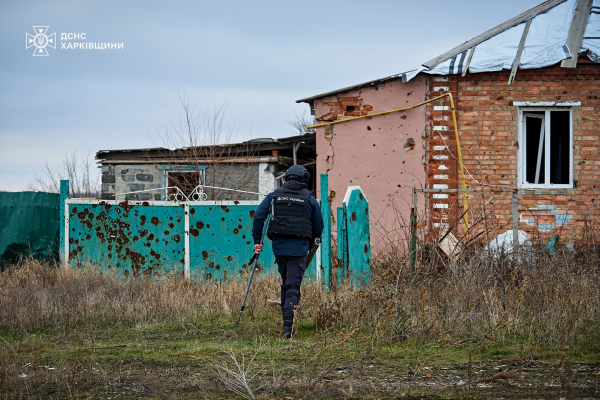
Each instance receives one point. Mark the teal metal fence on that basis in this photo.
(29, 225)
(354, 248)
(201, 240)
(326, 236)
(208, 240)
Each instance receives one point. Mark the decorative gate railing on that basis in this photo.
(208, 240)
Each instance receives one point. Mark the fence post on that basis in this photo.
(342, 243)
(186, 232)
(413, 234)
(359, 247)
(326, 236)
(64, 195)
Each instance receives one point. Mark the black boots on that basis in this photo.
(288, 331)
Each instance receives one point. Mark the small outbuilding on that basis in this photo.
(239, 171)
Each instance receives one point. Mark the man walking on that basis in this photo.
(296, 220)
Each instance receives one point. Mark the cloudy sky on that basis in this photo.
(257, 57)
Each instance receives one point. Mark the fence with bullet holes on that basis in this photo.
(207, 240)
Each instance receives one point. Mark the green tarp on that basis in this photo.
(29, 225)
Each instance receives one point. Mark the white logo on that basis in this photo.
(290, 199)
(40, 41)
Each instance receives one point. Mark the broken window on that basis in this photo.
(179, 181)
(545, 148)
(185, 181)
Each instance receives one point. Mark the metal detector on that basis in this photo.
(254, 260)
(313, 250)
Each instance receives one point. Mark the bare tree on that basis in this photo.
(203, 142)
(196, 129)
(302, 122)
(84, 180)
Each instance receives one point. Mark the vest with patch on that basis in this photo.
(290, 205)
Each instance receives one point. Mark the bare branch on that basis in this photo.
(203, 142)
(82, 175)
(302, 122)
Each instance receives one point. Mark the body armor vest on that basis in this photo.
(289, 213)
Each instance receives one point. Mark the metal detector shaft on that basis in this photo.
(255, 259)
(248, 287)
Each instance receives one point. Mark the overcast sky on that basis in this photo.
(257, 57)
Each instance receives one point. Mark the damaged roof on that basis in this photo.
(551, 32)
(248, 151)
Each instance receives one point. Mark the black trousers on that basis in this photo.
(291, 269)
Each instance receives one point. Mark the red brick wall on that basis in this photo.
(340, 107)
(487, 123)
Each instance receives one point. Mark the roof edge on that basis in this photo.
(210, 160)
(284, 141)
(348, 88)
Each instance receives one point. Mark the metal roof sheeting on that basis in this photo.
(591, 36)
(494, 54)
(545, 44)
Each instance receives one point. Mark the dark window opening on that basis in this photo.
(560, 144)
(349, 108)
(185, 181)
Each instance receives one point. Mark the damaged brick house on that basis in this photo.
(238, 171)
(527, 104)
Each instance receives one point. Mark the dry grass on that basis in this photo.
(541, 303)
(35, 295)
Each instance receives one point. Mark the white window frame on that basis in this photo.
(522, 151)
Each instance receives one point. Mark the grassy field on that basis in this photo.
(478, 329)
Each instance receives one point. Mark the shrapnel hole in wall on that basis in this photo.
(329, 132)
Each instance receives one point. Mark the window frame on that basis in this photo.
(522, 151)
(165, 169)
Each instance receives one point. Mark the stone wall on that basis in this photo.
(232, 176)
(130, 178)
(266, 179)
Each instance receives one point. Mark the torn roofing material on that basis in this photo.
(545, 6)
(545, 44)
(591, 35)
(552, 26)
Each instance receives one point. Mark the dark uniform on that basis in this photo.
(296, 220)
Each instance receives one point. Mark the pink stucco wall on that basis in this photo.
(375, 153)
